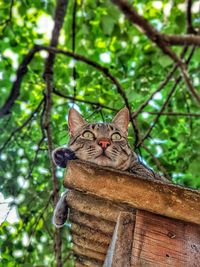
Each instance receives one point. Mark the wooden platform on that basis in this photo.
(119, 220)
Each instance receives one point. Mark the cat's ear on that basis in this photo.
(121, 120)
(75, 121)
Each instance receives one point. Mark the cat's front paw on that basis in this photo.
(62, 155)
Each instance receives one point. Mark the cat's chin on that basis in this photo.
(105, 161)
(103, 157)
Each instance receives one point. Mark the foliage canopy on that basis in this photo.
(99, 31)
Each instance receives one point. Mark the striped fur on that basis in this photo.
(85, 144)
(117, 155)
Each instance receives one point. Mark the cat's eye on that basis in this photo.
(116, 137)
(88, 135)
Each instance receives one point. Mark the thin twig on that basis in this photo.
(165, 102)
(96, 104)
(161, 40)
(182, 114)
(31, 167)
(15, 91)
(36, 222)
(9, 19)
(90, 62)
(104, 70)
(161, 86)
(22, 70)
(157, 162)
(24, 124)
(7, 213)
(37, 219)
(74, 43)
(188, 110)
(161, 111)
(52, 51)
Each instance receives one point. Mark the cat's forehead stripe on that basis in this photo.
(101, 128)
(104, 127)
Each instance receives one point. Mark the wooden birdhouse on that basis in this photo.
(121, 221)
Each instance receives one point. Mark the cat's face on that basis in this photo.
(102, 143)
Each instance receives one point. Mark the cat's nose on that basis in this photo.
(104, 143)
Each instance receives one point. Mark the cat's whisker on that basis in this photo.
(114, 152)
(105, 144)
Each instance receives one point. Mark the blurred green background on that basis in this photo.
(102, 34)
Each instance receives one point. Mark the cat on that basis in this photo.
(104, 144)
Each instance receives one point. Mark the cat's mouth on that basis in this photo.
(103, 155)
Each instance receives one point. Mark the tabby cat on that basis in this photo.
(104, 144)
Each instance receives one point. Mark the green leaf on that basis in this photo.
(108, 24)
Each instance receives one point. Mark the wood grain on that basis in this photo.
(104, 226)
(119, 252)
(95, 206)
(160, 241)
(84, 261)
(88, 253)
(123, 188)
(91, 234)
(89, 244)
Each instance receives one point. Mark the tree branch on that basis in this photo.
(163, 83)
(161, 40)
(32, 165)
(161, 110)
(166, 102)
(52, 50)
(60, 11)
(189, 26)
(74, 43)
(96, 104)
(174, 39)
(161, 86)
(7, 21)
(22, 70)
(22, 126)
(90, 62)
(37, 219)
(184, 114)
(104, 70)
(157, 162)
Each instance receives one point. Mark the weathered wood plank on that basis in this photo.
(91, 205)
(89, 244)
(119, 252)
(88, 253)
(121, 187)
(160, 241)
(91, 234)
(87, 261)
(104, 226)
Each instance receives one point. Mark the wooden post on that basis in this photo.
(160, 241)
(123, 188)
(158, 225)
(119, 252)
